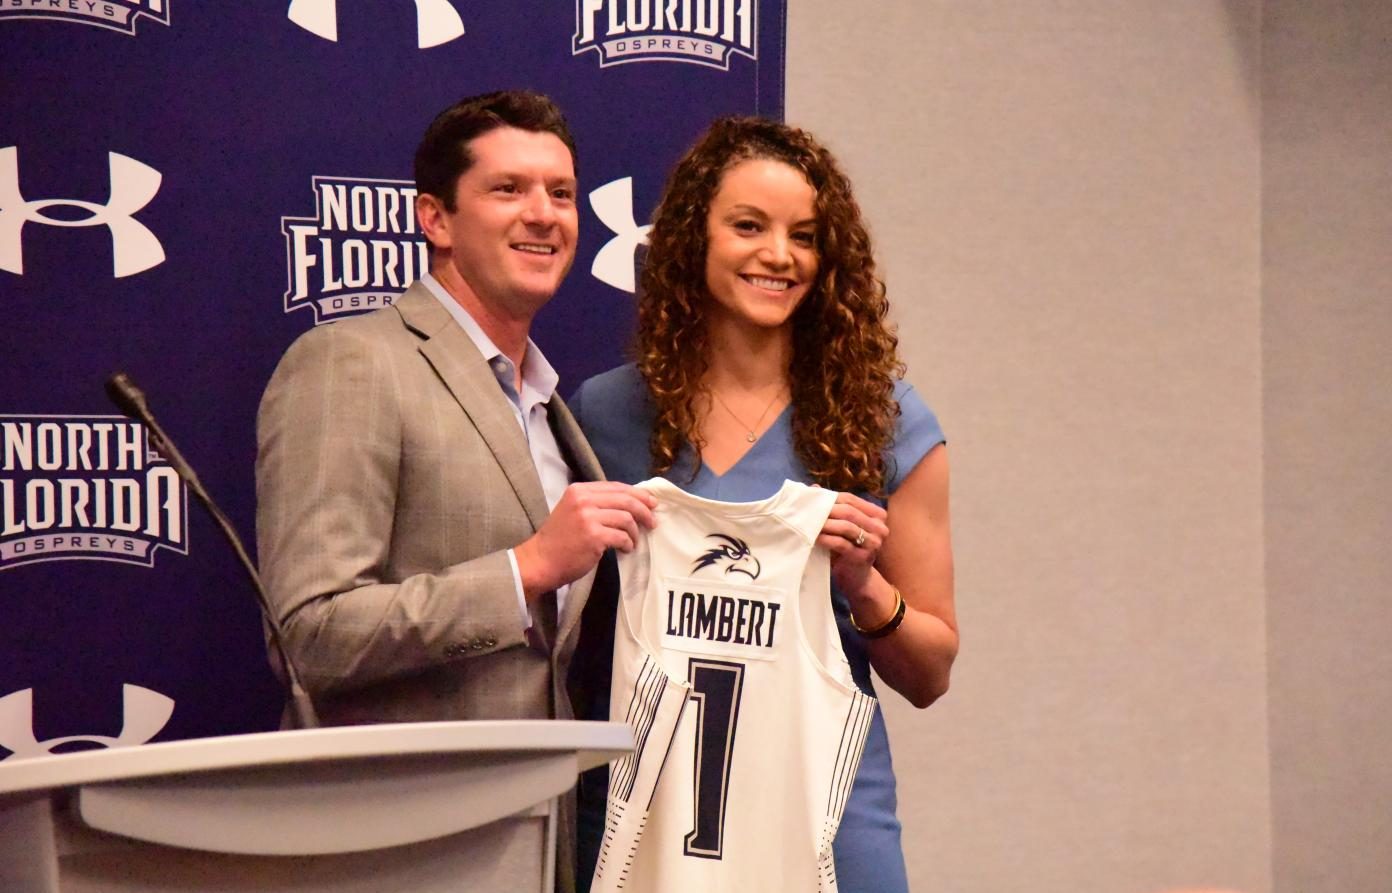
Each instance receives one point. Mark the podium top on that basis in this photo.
(594, 744)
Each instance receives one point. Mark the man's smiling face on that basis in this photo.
(511, 236)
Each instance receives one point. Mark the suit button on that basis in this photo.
(476, 644)
(490, 642)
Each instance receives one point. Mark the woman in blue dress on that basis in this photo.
(763, 354)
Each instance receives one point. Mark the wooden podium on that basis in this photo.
(404, 807)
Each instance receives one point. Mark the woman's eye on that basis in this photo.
(807, 240)
(747, 226)
(506, 187)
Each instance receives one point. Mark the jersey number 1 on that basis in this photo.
(715, 687)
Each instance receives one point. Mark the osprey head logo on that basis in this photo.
(732, 552)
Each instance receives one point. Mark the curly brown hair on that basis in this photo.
(845, 354)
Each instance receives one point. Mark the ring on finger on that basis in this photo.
(860, 538)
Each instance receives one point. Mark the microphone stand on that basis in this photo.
(131, 401)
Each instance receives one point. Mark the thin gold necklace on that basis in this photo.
(749, 435)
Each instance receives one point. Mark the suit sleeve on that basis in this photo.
(329, 472)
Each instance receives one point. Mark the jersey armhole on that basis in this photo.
(821, 644)
(633, 596)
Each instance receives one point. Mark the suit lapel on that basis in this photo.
(576, 450)
(585, 466)
(472, 384)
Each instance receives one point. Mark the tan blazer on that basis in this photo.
(391, 478)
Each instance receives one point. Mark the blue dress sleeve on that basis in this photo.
(915, 434)
(616, 415)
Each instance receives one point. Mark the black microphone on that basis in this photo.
(131, 401)
(128, 398)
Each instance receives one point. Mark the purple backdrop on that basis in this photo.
(187, 186)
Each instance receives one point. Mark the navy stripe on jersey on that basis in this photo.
(854, 731)
(642, 710)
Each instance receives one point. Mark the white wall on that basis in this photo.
(1066, 197)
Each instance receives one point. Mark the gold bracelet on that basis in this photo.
(889, 625)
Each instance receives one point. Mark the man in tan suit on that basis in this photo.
(429, 515)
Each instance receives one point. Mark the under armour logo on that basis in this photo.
(437, 21)
(613, 205)
(134, 249)
(145, 712)
(733, 552)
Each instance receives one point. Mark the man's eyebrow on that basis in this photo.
(514, 174)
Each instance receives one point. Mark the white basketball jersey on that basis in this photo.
(748, 726)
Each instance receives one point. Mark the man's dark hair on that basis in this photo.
(444, 153)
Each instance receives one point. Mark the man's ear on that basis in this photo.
(431, 216)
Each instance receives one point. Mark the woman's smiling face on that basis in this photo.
(761, 255)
